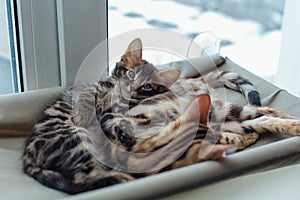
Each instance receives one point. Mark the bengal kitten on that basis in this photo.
(55, 153)
(59, 152)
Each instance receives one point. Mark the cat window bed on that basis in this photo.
(19, 111)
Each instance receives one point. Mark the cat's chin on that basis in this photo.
(135, 96)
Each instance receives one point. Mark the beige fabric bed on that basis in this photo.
(19, 111)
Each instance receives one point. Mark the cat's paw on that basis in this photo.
(249, 139)
(122, 177)
(241, 141)
(124, 133)
(293, 127)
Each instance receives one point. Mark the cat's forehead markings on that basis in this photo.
(138, 73)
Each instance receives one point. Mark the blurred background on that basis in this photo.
(43, 43)
(250, 30)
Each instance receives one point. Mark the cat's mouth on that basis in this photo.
(134, 95)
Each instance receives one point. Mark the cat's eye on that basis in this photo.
(147, 86)
(130, 74)
(141, 116)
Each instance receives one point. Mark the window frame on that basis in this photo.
(13, 44)
(49, 24)
(287, 76)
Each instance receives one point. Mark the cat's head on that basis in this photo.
(145, 81)
(131, 58)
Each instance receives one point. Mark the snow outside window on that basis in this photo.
(250, 30)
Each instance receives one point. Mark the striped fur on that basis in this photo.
(56, 153)
(235, 82)
(142, 110)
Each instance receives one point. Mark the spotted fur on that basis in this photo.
(58, 153)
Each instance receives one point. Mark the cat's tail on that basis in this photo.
(235, 82)
(80, 181)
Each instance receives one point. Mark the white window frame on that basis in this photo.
(55, 38)
(288, 74)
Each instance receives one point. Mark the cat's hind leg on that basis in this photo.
(224, 111)
(264, 124)
(267, 124)
(273, 113)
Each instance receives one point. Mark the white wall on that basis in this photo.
(81, 27)
(4, 40)
(288, 75)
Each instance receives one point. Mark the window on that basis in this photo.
(54, 37)
(288, 73)
(249, 30)
(9, 70)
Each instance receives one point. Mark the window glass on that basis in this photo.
(249, 30)
(9, 79)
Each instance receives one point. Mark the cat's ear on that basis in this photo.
(135, 48)
(198, 108)
(169, 76)
(134, 53)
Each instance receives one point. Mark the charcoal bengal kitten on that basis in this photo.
(62, 154)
